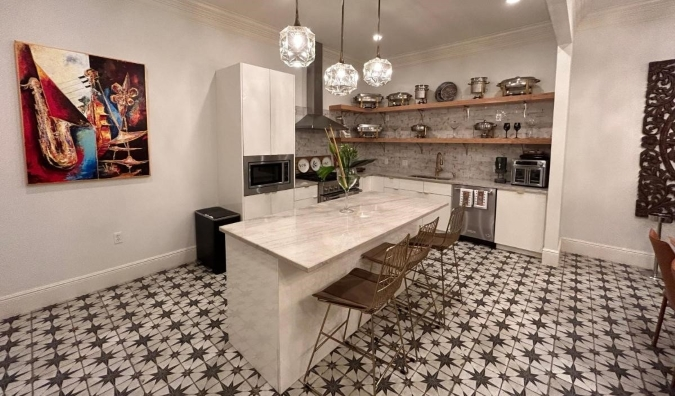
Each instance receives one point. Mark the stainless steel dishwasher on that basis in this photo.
(481, 207)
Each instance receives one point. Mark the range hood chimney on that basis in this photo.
(315, 120)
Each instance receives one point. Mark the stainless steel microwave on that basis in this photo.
(268, 173)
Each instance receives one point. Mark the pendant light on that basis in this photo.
(296, 44)
(341, 78)
(377, 71)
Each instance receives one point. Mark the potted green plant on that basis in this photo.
(345, 162)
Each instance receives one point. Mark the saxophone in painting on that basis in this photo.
(54, 135)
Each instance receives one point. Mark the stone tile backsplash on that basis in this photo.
(472, 161)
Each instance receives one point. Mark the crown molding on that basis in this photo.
(511, 38)
(232, 22)
(635, 13)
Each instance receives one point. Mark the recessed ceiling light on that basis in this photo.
(512, 1)
(377, 37)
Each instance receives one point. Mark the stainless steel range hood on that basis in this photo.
(315, 120)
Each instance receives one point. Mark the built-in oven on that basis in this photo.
(268, 173)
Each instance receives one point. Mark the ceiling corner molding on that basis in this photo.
(639, 12)
(528, 34)
(223, 19)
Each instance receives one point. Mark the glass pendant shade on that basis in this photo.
(340, 79)
(377, 72)
(297, 46)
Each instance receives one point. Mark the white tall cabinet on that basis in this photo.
(256, 116)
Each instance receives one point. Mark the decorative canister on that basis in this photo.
(421, 93)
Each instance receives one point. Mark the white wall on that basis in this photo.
(51, 233)
(536, 59)
(607, 98)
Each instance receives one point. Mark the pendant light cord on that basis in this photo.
(297, 14)
(379, 38)
(342, 33)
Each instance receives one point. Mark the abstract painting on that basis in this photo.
(656, 184)
(84, 117)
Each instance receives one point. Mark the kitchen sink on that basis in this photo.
(430, 177)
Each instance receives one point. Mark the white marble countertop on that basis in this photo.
(299, 183)
(467, 182)
(316, 235)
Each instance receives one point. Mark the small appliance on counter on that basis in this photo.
(479, 86)
(500, 169)
(480, 211)
(329, 189)
(531, 170)
(421, 93)
(399, 99)
(518, 86)
(368, 100)
(369, 130)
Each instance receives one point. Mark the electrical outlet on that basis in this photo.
(386, 161)
(404, 163)
(117, 238)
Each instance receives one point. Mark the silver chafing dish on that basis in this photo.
(368, 100)
(369, 130)
(399, 99)
(518, 86)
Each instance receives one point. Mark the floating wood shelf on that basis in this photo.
(520, 141)
(543, 97)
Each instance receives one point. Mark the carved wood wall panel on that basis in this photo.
(656, 184)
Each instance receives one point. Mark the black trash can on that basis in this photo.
(210, 241)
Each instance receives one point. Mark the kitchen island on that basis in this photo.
(276, 263)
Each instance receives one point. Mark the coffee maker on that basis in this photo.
(500, 169)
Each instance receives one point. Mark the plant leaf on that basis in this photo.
(324, 171)
(362, 162)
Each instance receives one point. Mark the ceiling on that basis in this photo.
(407, 26)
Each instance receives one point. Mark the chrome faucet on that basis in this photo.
(439, 164)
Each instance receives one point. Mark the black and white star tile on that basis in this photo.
(519, 328)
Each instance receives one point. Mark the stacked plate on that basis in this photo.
(446, 92)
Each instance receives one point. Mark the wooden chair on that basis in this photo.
(368, 293)
(665, 257)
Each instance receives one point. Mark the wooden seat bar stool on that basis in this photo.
(444, 241)
(666, 260)
(416, 255)
(367, 293)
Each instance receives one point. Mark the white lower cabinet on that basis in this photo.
(372, 183)
(520, 220)
(262, 205)
(303, 203)
(255, 206)
(282, 201)
(443, 214)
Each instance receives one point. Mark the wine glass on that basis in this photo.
(507, 126)
(454, 124)
(531, 123)
(347, 179)
(517, 127)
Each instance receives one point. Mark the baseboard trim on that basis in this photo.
(614, 254)
(519, 251)
(550, 257)
(30, 300)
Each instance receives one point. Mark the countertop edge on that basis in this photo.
(469, 182)
(325, 262)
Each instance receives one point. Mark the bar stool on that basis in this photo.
(442, 241)
(417, 253)
(366, 293)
